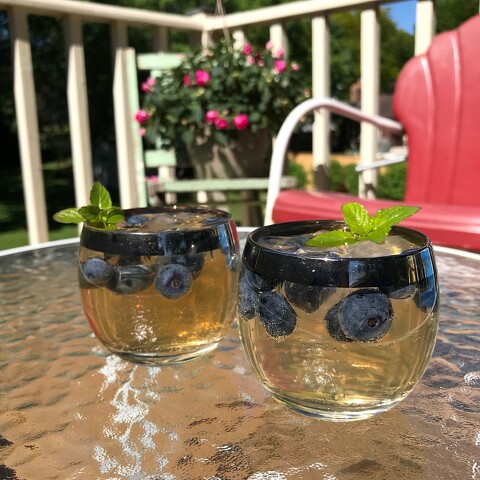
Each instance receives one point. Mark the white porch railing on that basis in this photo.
(74, 13)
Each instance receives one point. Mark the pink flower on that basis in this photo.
(142, 116)
(202, 77)
(279, 53)
(269, 45)
(221, 123)
(142, 131)
(247, 49)
(186, 80)
(280, 66)
(241, 121)
(148, 84)
(295, 66)
(250, 60)
(211, 116)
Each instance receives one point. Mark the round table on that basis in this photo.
(70, 410)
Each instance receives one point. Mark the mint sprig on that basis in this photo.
(362, 226)
(100, 213)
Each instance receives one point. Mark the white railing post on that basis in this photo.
(129, 196)
(27, 124)
(424, 25)
(160, 39)
(239, 39)
(321, 89)
(78, 111)
(279, 38)
(370, 80)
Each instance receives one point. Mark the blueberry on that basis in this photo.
(174, 281)
(193, 261)
(258, 283)
(333, 324)
(131, 279)
(365, 315)
(247, 300)
(306, 297)
(97, 271)
(136, 220)
(276, 314)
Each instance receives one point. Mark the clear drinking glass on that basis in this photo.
(339, 334)
(161, 288)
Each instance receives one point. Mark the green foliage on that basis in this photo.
(451, 13)
(298, 171)
(391, 182)
(343, 178)
(251, 88)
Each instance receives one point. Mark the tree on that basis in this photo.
(451, 13)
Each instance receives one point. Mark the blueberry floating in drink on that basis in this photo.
(136, 220)
(129, 279)
(194, 262)
(306, 297)
(247, 299)
(362, 316)
(276, 314)
(333, 324)
(174, 281)
(97, 271)
(258, 282)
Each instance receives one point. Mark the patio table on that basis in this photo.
(70, 410)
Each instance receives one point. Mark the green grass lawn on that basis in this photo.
(19, 237)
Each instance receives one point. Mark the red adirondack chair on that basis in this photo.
(437, 101)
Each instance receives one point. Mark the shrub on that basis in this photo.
(391, 182)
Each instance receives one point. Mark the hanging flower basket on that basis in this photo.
(223, 104)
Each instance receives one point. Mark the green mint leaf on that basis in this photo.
(69, 215)
(113, 215)
(358, 220)
(91, 213)
(100, 213)
(335, 238)
(362, 226)
(388, 217)
(378, 235)
(100, 197)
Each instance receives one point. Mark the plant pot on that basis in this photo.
(247, 157)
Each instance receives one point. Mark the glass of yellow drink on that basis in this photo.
(161, 287)
(338, 333)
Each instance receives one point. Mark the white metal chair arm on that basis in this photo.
(381, 163)
(283, 138)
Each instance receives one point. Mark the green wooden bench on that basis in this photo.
(167, 188)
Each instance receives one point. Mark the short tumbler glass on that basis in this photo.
(161, 288)
(339, 334)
